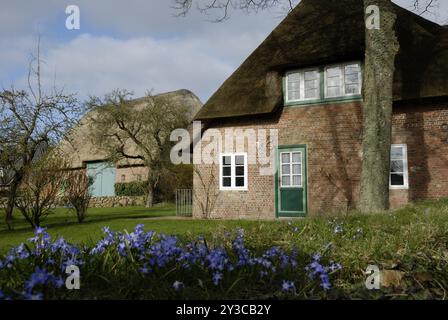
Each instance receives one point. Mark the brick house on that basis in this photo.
(305, 81)
(82, 153)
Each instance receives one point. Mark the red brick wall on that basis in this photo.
(424, 128)
(332, 134)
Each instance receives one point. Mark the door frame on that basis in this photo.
(280, 148)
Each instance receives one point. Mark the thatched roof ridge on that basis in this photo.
(319, 32)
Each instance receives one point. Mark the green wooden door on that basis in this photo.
(291, 182)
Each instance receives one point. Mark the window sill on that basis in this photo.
(233, 189)
(398, 187)
(322, 101)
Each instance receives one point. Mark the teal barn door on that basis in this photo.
(291, 182)
(103, 176)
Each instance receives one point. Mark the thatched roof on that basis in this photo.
(79, 148)
(318, 32)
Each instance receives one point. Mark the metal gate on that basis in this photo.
(184, 200)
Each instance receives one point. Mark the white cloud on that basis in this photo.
(95, 65)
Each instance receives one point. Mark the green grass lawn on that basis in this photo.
(412, 240)
(63, 223)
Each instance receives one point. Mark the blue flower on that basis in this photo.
(177, 285)
(263, 273)
(288, 286)
(145, 269)
(216, 278)
(39, 231)
(325, 281)
(58, 282)
(337, 229)
(40, 276)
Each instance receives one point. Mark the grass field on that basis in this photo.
(63, 223)
(412, 241)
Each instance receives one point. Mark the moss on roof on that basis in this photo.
(319, 32)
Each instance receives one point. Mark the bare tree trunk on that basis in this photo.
(381, 49)
(150, 195)
(10, 204)
(151, 186)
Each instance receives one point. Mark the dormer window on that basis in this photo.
(303, 85)
(323, 84)
(343, 80)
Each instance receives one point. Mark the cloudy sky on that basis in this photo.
(134, 44)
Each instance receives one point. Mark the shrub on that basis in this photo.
(77, 193)
(147, 265)
(40, 189)
(131, 189)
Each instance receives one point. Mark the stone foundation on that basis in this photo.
(123, 201)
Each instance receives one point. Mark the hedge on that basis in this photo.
(131, 189)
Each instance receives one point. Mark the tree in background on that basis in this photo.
(76, 190)
(31, 120)
(40, 188)
(137, 131)
(381, 49)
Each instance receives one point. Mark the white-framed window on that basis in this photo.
(303, 85)
(233, 171)
(399, 177)
(343, 80)
(291, 169)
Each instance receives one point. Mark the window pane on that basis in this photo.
(296, 157)
(351, 89)
(396, 166)
(333, 72)
(333, 82)
(294, 77)
(297, 181)
(227, 160)
(226, 171)
(293, 95)
(239, 182)
(311, 94)
(397, 179)
(239, 170)
(334, 92)
(311, 75)
(396, 153)
(286, 181)
(286, 169)
(285, 157)
(296, 168)
(239, 160)
(352, 78)
(294, 86)
(226, 182)
(352, 68)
